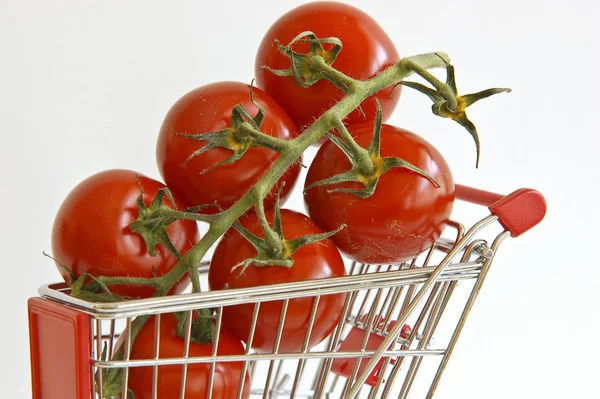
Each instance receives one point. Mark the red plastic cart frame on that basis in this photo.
(60, 346)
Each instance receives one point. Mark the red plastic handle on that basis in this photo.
(517, 212)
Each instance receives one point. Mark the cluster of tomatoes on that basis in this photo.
(403, 217)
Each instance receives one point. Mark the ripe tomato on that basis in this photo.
(367, 50)
(208, 109)
(404, 216)
(91, 232)
(312, 261)
(226, 374)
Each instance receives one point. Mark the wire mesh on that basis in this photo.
(383, 345)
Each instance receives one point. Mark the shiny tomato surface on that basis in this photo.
(227, 375)
(208, 109)
(404, 216)
(312, 261)
(367, 50)
(91, 232)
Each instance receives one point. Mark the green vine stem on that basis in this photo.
(290, 152)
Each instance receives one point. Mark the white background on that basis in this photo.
(84, 86)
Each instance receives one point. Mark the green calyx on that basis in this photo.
(302, 69)
(87, 287)
(152, 222)
(447, 103)
(112, 384)
(112, 378)
(243, 133)
(201, 327)
(367, 164)
(274, 249)
(92, 289)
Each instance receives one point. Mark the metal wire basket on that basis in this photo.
(382, 343)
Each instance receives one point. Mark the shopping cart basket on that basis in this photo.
(383, 342)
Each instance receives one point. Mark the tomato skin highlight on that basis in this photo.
(404, 216)
(312, 261)
(226, 374)
(367, 50)
(91, 232)
(208, 109)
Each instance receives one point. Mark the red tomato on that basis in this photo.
(208, 109)
(312, 261)
(226, 378)
(404, 216)
(367, 50)
(91, 232)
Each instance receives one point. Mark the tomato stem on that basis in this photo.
(360, 156)
(443, 90)
(139, 281)
(340, 79)
(188, 214)
(260, 139)
(272, 240)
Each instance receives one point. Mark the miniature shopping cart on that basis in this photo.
(399, 327)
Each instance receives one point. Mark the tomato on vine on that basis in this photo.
(312, 261)
(367, 50)
(92, 234)
(405, 214)
(200, 173)
(227, 376)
